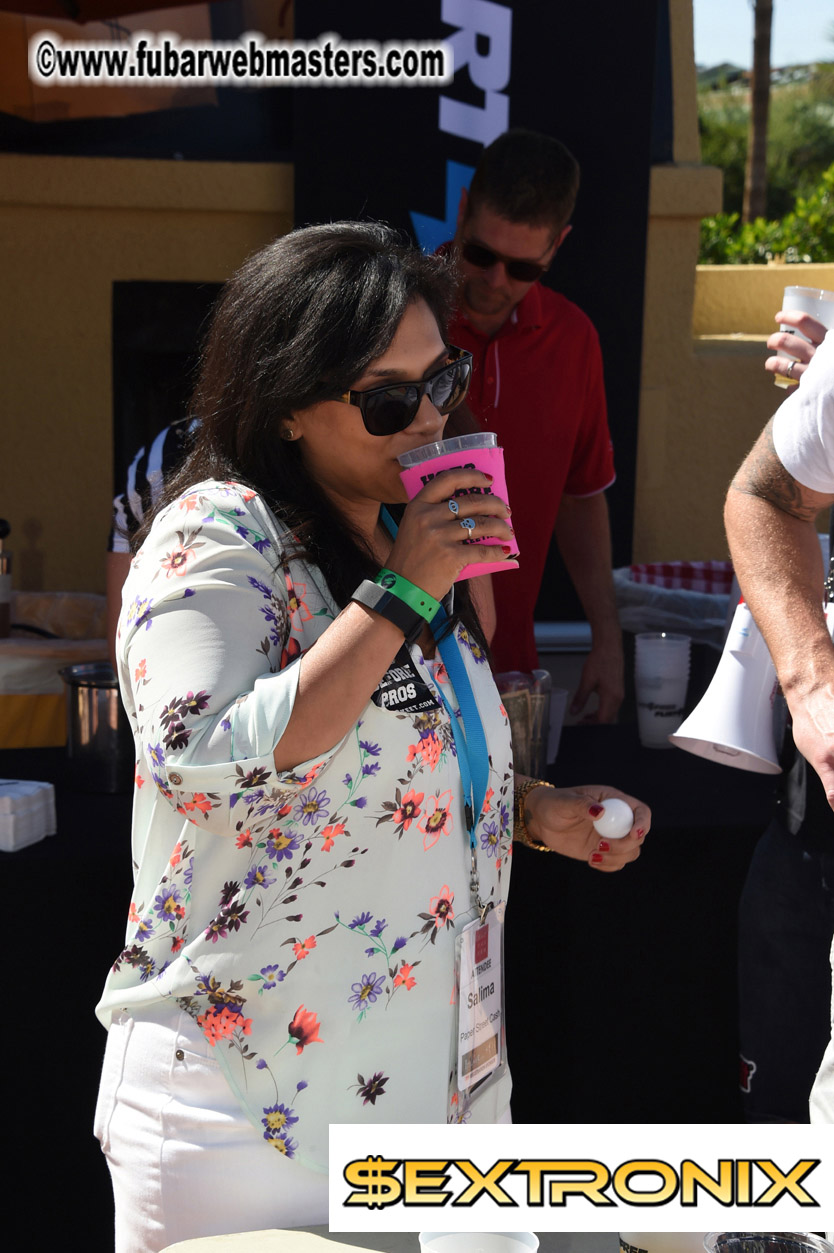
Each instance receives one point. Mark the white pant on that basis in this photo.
(184, 1159)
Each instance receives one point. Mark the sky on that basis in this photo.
(724, 32)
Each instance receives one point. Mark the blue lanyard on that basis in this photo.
(467, 729)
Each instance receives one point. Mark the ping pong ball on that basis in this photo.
(617, 819)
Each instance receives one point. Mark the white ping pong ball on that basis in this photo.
(616, 820)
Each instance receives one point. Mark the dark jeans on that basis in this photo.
(786, 920)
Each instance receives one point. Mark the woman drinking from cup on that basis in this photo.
(324, 786)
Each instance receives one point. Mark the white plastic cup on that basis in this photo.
(661, 678)
(478, 1242)
(815, 301)
(477, 451)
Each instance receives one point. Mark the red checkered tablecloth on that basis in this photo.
(692, 576)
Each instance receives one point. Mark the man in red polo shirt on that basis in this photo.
(537, 382)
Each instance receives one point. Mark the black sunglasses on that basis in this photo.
(386, 410)
(484, 258)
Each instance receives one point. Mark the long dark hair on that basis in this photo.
(301, 320)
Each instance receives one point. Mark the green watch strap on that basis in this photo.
(414, 596)
(389, 605)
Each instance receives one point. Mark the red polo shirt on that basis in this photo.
(538, 384)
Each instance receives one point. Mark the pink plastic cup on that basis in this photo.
(479, 452)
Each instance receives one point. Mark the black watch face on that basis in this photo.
(403, 689)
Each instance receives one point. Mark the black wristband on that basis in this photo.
(389, 606)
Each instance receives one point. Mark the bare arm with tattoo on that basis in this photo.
(770, 520)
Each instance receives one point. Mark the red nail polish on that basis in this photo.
(595, 810)
(596, 858)
(489, 477)
(640, 832)
(506, 549)
(603, 846)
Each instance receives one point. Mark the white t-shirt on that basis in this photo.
(305, 919)
(803, 428)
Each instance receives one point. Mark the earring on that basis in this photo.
(289, 433)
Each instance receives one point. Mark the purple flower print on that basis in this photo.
(366, 991)
(282, 1143)
(277, 1118)
(281, 845)
(490, 840)
(373, 750)
(360, 920)
(373, 768)
(378, 928)
(272, 976)
(259, 877)
(169, 903)
(311, 806)
(399, 943)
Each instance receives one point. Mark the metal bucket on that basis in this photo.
(99, 739)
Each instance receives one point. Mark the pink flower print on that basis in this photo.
(437, 819)
(441, 907)
(428, 747)
(404, 976)
(219, 1024)
(409, 809)
(296, 603)
(330, 833)
(176, 561)
(306, 946)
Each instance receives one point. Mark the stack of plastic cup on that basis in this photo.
(661, 677)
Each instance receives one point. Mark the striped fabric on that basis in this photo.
(145, 478)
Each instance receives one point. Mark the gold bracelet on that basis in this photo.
(520, 831)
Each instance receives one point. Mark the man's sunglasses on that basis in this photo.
(386, 410)
(484, 258)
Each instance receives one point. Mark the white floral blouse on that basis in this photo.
(304, 919)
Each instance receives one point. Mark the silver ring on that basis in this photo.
(789, 371)
(454, 507)
(468, 524)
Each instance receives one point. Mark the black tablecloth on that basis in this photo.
(66, 899)
(621, 1003)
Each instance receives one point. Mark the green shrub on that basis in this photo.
(805, 234)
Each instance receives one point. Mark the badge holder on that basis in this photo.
(479, 1052)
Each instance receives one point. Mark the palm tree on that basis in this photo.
(755, 175)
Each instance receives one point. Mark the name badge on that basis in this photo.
(403, 690)
(480, 1041)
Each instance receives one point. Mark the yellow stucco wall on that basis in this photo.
(742, 299)
(69, 228)
(704, 393)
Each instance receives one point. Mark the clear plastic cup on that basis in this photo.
(477, 451)
(816, 301)
(661, 679)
